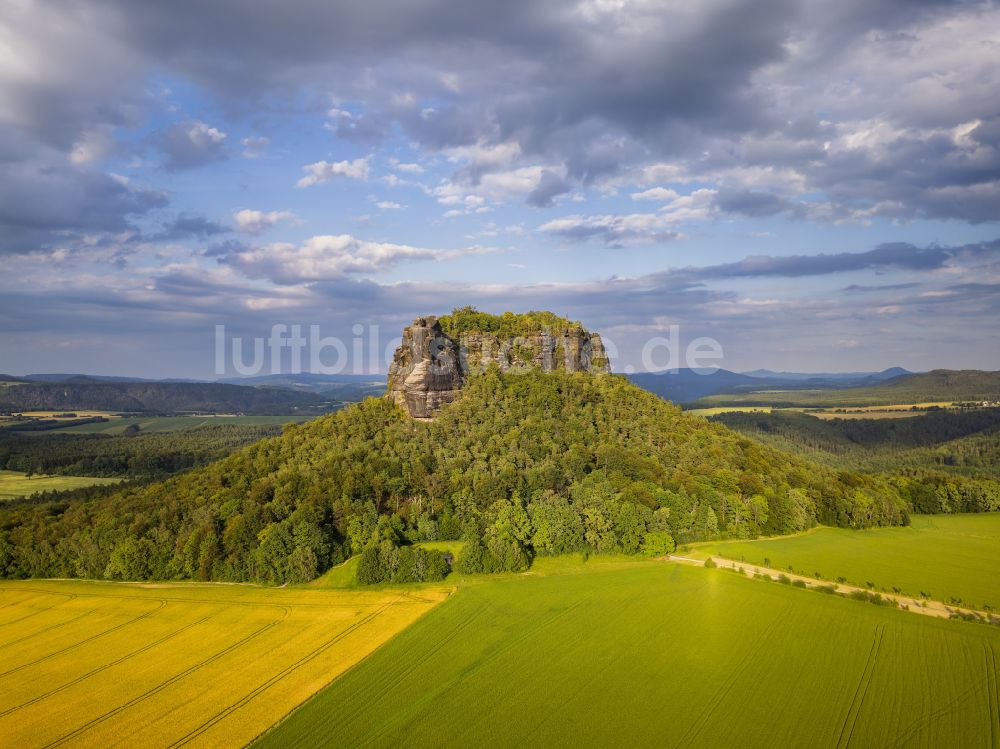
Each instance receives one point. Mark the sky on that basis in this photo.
(814, 185)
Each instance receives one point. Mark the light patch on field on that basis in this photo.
(14, 484)
(728, 410)
(105, 664)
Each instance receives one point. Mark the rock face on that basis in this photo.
(429, 367)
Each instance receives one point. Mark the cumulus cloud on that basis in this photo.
(255, 222)
(324, 171)
(327, 257)
(190, 144)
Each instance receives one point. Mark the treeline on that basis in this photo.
(538, 463)
(940, 462)
(153, 454)
(966, 441)
(508, 325)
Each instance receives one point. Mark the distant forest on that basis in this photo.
(153, 454)
(949, 459)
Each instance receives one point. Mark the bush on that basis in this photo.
(658, 544)
(710, 563)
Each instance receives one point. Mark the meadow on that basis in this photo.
(14, 484)
(945, 557)
(631, 653)
(115, 664)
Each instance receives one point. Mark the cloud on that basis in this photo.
(188, 227)
(53, 203)
(191, 144)
(388, 205)
(254, 146)
(255, 222)
(324, 171)
(326, 257)
(614, 231)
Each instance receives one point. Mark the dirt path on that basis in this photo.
(915, 605)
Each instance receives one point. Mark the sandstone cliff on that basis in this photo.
(430, 366)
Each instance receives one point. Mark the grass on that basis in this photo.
(170, 423)
(14, 484)
(96, 664)
(945, 556)
(627, 653)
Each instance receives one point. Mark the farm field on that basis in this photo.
(656, 654)
(14, 484)
(117, 664)
(944, 556)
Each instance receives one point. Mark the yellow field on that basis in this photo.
(151, 665)
(729, 409)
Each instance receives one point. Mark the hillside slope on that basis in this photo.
(155, 397)
(928, 387)
(526, 464)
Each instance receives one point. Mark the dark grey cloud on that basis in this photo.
(899, 255)
(190, 144)
(598, 89)
(188, 227)
(550, 186)
(45, 205)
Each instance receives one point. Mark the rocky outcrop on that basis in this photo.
(429, 367)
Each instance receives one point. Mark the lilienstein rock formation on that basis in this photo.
(430, 367)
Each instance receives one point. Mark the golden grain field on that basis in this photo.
(163, 665)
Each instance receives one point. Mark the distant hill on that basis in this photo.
(851, 377)
(685, 385)
(939, 385)
(342, 387)
(157, 397)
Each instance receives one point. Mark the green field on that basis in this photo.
(98, 664)
(170, 423)
(14, 484)
(944, 556)
(655, 654)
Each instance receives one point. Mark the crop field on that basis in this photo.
(14, 484)
(115, 664)
(945, 556)
(656, 654)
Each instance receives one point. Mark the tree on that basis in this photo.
(658, 544)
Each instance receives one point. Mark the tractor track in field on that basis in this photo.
(861, 690)
(67, 596)
(66, 649)
(37, 632)
(168, 682)
(411, 667)
(105, 667)
(222, 714)
(490, 657)
(698, 725)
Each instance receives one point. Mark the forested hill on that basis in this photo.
(519, 465)
(928, 387)
(155, 397)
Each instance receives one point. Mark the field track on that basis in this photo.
(165, 665)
